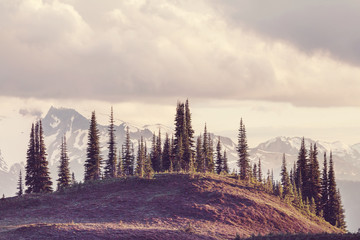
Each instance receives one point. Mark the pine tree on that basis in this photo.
(43, 182)
(64, 172)
(128, 155)
(332, 207)
(73, 180)
(188, 137)
(219, 158)
(225, 167)
(110, 167)
(254, 172)
(200, 158)
(242, 149)
(159, 152)
(315, 181)
(209, 159)
(120, 167)
(30, 162)
(285, 180)
(166, 154)
(180, 135)
(93, 157)
(141, 158)
(301, 176)
(325, 190)
(20, 185)
(259, 171)
(154, 154)
(148, 171)
(340, 216)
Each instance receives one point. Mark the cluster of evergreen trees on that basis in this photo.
(37, 177)
(307, 188)
(303, 186)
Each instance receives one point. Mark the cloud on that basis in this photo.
(30, 112)
(309, 25)
(156, 50)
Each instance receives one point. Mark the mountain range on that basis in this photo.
(60, 122)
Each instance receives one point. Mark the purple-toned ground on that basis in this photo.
(170, 206)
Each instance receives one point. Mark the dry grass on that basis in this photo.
(170, 206)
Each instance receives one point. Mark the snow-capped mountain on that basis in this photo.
(346, 158)
(3, 165)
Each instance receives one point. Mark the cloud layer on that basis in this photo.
(156, 50)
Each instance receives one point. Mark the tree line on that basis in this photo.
(303, 186)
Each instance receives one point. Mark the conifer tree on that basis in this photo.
(148, 171)
(128, 155)
(179, 155)
(154, 154)
(219, 158)
(285, 180)
(20, 185)
(225, 163)
(206, 149)
(340, 216)
(180, 135)
(166, 154)
(209, 159)
(110, 167)
(254, 172)
(120, 167)
(301, 176)
(141, 158)
(325, 190)
(333, 204)
(200, 159)
(64, 172)
(73, 180)
(93, 157)
(242, 149)
(159, 152)
(30, 162)
(259, 171)
(188, 137)
(43, 181)
(315, 181)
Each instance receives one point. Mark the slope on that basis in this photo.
(216, 207)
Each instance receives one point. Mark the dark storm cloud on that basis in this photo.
(310, 25)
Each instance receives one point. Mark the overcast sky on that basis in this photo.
(287, 67)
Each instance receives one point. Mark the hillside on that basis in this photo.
(216, 207)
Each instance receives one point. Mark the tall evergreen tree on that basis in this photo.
(188, 137)
(166, 154)
(93, 157)
(259, 171)
(159, 152)
(301, 176)
(209, 159)
(128, 155)
(333, 204)
(325, 190)
(206, 149)
(219, 158)
(64, 171)
(180, 134)
(120, 167)
(110, 167)
(141, 158)
(340, 216)
(315, 181)
(242, 149)
(43, 181)
(148, 171)
(285, 180)
(20, 185)
(200, 159)
(30, 162)
(225, 163)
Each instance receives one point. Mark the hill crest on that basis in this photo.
(216, 207)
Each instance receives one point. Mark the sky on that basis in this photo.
(288, 68)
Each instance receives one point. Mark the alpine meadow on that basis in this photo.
(178, 120)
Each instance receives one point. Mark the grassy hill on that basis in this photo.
(170, 206)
